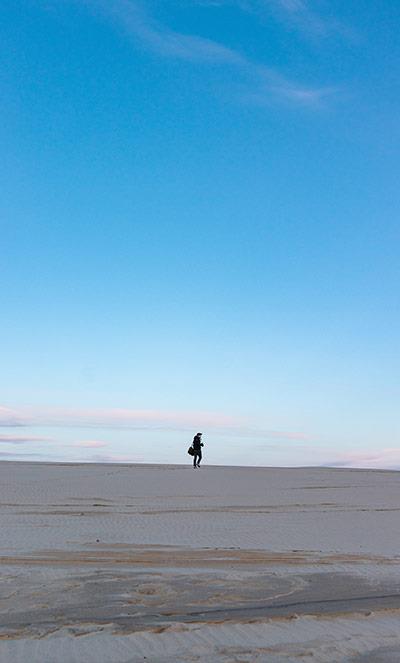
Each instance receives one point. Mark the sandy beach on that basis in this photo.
(126, 563)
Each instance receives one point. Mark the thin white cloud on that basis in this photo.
(130, 419)
(272, 83)
(388, 458)
(260, 82)
(9, 417)
(90, 444)
(312, 18)
(292, 5)
(22, 439)
(316, 455)
(165, 41)
(116, 418)
(302, 15)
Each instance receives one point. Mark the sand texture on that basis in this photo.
(124, 563)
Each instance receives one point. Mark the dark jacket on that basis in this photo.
(197, 443)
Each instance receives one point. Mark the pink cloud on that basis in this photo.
(21, 439)
(90, 444)
(12, 456)
(388, 458)
(116, 418)
(131, 419)
(9, 417)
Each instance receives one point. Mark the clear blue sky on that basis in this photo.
(200, 230)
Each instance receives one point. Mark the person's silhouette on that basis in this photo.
(197, 444)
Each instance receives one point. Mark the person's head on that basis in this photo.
(199, 434)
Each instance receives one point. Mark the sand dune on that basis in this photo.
(131, 563)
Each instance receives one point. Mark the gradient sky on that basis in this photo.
(200, 230)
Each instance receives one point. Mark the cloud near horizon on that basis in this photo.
(385, 459)
(114, 418)
(294, 448)
(122, 418)
(90, 444)
(22, 439)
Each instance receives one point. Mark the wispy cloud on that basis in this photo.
(313, 18)
(303, 16)
(159, 37)
(156, 420)
(262, 444)
(319, 455)
(307, 16)
(261, 82)
(21, 439)
(9, 417)
(388, 458)
(271, 83)
(117, 418)
(90, 444)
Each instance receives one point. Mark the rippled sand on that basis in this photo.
(130, 563)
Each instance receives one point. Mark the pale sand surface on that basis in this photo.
(119, 563)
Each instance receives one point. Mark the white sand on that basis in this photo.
(116, 563)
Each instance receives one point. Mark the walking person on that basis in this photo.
(197, 444)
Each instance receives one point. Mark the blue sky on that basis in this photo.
(199, 223)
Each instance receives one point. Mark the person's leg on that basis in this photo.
(194, 460)
(199, 458)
